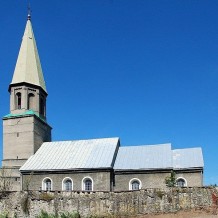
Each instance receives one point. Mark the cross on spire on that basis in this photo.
(29, 11)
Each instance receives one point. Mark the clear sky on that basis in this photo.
(143, 70)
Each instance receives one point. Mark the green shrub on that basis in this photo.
(4, 215)
(44, 214)
(74, 214)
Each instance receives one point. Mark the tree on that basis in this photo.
(171, 180)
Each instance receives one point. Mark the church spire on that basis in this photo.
(28, 67)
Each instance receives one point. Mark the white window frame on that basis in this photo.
(63, 183)
(132, 180)
(186, 184)
(83, 183)
(44, 184)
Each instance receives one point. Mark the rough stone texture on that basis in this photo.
(103, 180)
(156, 179)
(108, 204)
(148, 180)
(192, 178)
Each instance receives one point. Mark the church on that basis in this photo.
(33, 161)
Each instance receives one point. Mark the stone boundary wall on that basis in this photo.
(107, 204)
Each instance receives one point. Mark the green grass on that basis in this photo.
(44, 214)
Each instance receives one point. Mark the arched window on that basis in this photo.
(42, 107)
(181, 182)
(18, 100)
(30, 101)
(134, 184)
(47, 184)
(67, 184)
(87, 184)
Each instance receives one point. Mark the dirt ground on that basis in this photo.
(209, 213)
(183, 215)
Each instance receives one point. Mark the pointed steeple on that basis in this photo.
(28, 67)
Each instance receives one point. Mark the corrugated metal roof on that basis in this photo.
(144, 157)
(100, 153)
(79, 154)
(187, 158)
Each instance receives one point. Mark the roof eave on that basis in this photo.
(28, 84)
(144, 169)
(65, 170)
(190, 168)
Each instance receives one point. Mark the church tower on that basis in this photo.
(25, 128)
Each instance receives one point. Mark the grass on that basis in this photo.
(44, 214)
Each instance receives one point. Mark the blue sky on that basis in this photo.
(145, 71)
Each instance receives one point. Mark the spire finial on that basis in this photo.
(29, 11)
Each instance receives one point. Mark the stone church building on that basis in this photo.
(33, 161)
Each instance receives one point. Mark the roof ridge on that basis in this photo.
(90, 139)
(186, 148)
(154, 145)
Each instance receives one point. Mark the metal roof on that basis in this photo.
(100, 153)
(28, 67)
(144, 157)
(148, 157)
(187, 158)
(79, 154)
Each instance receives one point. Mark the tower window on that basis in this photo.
(42, 106)
(31, 101)
(18, 100)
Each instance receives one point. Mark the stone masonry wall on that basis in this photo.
(156, 179)
(106, 204)
(101, 180)
(148, 180)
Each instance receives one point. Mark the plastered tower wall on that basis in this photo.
(23, 135)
